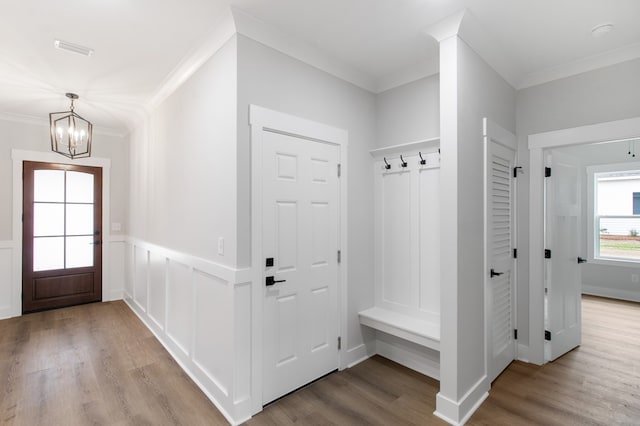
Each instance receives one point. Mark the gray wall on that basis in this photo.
(601, 95)
(183, 165)
(35, 137)
(408, 113)
(273, 80)
(481, 93)
(604, 280)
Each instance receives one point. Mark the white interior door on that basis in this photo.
(499, 238)
(562, 271)
(300, 233)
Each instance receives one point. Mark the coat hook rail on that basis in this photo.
(402, 162)
(386, 165)
(422, 160)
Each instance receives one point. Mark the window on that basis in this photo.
(616, 214)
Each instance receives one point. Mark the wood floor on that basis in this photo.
(97, 364)
(93, 365)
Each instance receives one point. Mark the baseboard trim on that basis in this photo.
(523, 353)
(612, 293)
(458, 413)
(178, 359)
(355, 356)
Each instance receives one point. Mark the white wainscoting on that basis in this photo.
(115, 272)
(113, 275)
(201, 312)
(8, 277)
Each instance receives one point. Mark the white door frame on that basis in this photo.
(19, 156)
(537, 143)
(260, 120)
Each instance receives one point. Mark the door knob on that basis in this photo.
(582, 260)
(495, 274)
(269, 281)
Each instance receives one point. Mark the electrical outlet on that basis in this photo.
(635, 278)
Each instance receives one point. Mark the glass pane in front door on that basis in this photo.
(63, 214)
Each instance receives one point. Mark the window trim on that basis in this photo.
(591, 214)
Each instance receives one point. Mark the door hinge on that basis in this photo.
(339, 342)
(547, 254)
(339, 256)
(547, 335)
(339, 170)
(515, 171)
(22, 217)
(547, 171)
(515, 334)
(515, 253)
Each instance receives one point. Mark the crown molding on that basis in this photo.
(39, 121)
(424, 69)
(295, 47)
(466, 26)
(580, 66)
(222, 32)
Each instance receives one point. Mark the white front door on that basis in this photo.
(300, 239)
(562, 271)
(499, 238)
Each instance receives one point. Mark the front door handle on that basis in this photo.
(269, 281)
(582, 260)
(495, 274)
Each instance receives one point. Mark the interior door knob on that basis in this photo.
(495, 274)
(582, 260)
(269, 281)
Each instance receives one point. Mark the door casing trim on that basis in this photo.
(18, 156)
(537, 143)
(261, 119)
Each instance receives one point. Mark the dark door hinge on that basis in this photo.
(339, 256)
(515, 253)
(515, 171)
(547, 254)
(547, 335)
(339, 170)
(515, 334)
(547, 171)
(339, 342)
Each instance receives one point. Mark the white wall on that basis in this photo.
(270, 79)
(408, 113)
(601, 95)
(481, 93)
(184, 196)
(35, 137)
(469, 91)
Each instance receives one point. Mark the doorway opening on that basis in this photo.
(62, 235)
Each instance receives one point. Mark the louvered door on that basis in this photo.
(500, 280)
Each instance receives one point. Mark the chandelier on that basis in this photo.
(70, 133)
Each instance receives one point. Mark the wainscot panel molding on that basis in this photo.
(406, 311)
(8, 275)
(201, 313)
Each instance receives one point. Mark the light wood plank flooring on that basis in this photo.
(97, 364)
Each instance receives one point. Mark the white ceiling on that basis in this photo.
(139, 44)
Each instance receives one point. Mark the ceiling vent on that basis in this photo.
(73, 48)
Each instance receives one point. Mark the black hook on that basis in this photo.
(402, 162)
(386, 165)
(422, 160)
